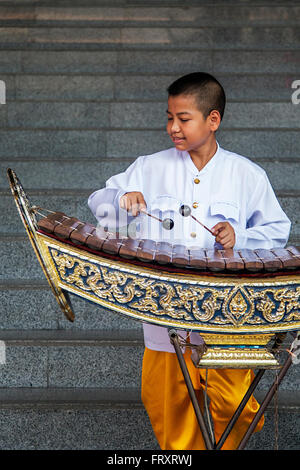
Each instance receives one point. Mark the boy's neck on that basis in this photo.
(204, 154)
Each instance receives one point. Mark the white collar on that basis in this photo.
(209, 165)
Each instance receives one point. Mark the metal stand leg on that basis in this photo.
(265, 403)
(187, 378)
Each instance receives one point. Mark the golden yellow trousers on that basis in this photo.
(171, 412)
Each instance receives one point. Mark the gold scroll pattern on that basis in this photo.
(235, 305)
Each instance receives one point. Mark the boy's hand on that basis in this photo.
(224, 234)
(134, 202)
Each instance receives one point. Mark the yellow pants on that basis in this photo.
(171, 412)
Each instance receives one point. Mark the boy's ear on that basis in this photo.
(215, 119)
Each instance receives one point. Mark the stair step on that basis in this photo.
(151, 61)
(36, 143)
(78, 358)
(98, 86)
(56, 363)
(138, 115)
(189, 38)
(74, 427)
(72, 398)
(97, 398)
(74, 337)
(143, 13)
(71, 143)
(30, 305)
(69, 427)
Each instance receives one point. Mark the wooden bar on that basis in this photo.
(65, 229)
(146, 250)
(163, 253)
(129, 248)
(233, 261)
(112, 244)
(288, 259)
(47, 224)
(95, 241)
(180, 256)
(215, 260)
(295, 252)
(252, 262)
(198, 258)
(270, 261)
(81, 233)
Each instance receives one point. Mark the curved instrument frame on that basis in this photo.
(30, 223)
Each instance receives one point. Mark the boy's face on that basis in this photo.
(187, 127)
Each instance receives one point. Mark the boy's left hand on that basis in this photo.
(224, 234)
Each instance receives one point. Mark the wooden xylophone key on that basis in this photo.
(96, 240)
(198, 258)
(215, 260)
(294, 251)
(129, 248)
(65, 229)
(289, 261)
(163, 253)
(180, 256)
(47, 224)
(233, 261)
(146, 250)
(252, 261)
(81, 233)
(270, 261)
(112, 244)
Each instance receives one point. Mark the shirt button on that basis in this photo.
(195, 205)
(193, 234)
(196, 181)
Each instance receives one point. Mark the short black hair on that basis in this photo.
(208, 92)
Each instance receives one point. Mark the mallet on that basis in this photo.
(167, 224)
(186, 211)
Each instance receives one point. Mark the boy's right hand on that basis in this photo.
(134, 202)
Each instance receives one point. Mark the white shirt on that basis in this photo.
(231, 188)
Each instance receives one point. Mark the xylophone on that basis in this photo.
(239, 301)
(236, 299)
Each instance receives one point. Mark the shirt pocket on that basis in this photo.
(225, 209)
(165, 203)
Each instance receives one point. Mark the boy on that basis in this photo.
(226, 192)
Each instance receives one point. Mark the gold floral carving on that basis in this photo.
(235, 305)
(288, 307)
(153, 297)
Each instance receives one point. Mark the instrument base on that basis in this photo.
(236, 352)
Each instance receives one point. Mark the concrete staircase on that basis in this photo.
(85, 96)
